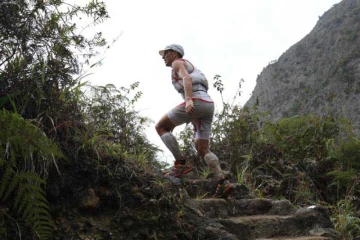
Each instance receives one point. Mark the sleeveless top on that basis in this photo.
(199, 82)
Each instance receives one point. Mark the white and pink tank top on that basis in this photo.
(199, 81)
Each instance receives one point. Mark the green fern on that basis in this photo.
(6, 178)
(26, 153)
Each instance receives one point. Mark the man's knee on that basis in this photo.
(159, 129)
(164, 126)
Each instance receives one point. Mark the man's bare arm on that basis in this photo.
(179, 67)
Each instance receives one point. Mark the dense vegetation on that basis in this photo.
(60, 136)
(57, 133)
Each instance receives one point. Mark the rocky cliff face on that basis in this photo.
(320, 74)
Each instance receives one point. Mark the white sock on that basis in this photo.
(213, 162)
(171, 143)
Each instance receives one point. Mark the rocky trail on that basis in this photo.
(240, 217)
(243, 217)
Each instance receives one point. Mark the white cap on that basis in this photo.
(174, 47)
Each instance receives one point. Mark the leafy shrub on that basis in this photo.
(346, 171)
(302, 137)
(114, 126)
(345, 221)
(348, 154)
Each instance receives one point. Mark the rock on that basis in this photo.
(173, 180)
(326, 232)
(217, 231)
(89, 200)
(282, 207)
(318, 215)
(241, 191)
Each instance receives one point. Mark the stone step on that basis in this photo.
(242, 217)
(299, 224)
(296, 238)
(222, 208)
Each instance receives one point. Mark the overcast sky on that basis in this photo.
(233, 38)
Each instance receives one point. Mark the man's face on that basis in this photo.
(169, 57)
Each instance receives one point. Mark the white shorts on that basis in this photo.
(203, 116)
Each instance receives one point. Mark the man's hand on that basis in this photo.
(189, 107)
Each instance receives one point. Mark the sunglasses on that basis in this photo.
(167, 51)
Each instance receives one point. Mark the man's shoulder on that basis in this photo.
(178, 62)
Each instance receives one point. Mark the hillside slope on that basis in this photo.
(320, 74)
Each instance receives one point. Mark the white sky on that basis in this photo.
(233, 38)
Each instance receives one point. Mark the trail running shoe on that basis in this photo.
(179, 170)
(223, 190)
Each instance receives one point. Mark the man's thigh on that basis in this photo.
(178, 115)
(203, 110)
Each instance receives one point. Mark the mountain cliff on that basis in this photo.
(320, 74)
